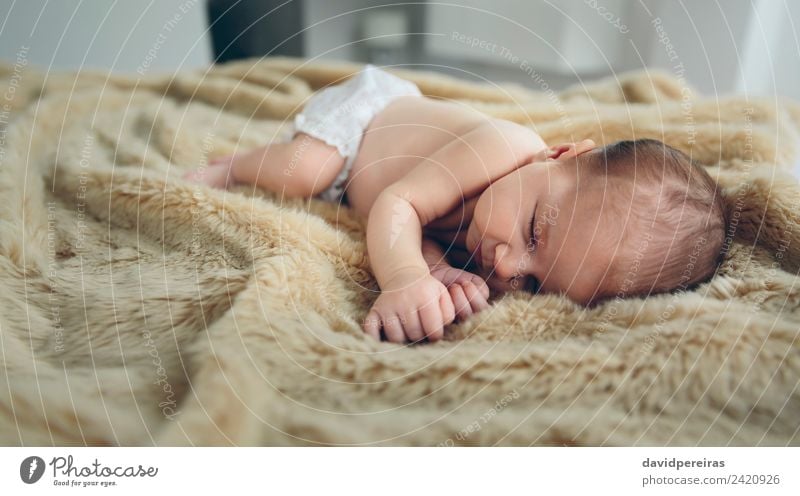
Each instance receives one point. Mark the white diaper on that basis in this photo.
(340, 114)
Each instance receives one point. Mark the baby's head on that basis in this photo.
(632, 218)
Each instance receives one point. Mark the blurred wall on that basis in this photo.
(124, 36)
(744, 46)
(719, 47)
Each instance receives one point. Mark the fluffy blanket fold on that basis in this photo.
(138, 309)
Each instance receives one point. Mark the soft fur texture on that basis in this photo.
(138, 309)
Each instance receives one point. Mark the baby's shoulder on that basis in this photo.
(504, 140)
(516, 134)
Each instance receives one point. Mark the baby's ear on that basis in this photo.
(565, 151)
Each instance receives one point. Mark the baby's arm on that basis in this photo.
(413, 303)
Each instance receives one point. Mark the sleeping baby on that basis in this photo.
(458, 203)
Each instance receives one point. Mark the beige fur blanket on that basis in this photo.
(138, 309)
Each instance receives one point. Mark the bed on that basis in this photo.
(139, 309)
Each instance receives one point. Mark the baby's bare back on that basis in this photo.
(406, 131)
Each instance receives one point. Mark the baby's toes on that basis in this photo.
(221, 160)
(215, 176)
(194, 176)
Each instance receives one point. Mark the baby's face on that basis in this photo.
(536, 228)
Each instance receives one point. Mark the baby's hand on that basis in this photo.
(468, 291)
(412, 309)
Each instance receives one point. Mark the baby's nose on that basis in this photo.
(504, 265)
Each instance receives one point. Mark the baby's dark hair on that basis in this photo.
(674, 216)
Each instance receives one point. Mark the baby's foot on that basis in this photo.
(216, 175)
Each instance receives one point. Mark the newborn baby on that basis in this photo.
(457, 202)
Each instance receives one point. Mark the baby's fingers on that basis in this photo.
(476, 298)
(393, 327)
(479, 283)
(412, 327)
(461, 304)
(447, 308)
(431, 318)
(372, 324)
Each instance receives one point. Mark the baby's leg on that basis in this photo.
(302, 167)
